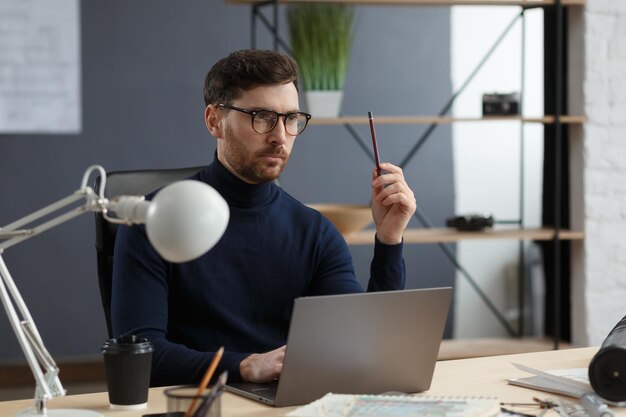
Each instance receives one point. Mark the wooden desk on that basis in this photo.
(479, 376)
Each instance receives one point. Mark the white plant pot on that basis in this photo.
(323, 103)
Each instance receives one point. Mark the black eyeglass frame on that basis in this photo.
(253, 113)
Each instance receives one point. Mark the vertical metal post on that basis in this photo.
(557, 173)
(450, 102)
(521, 296)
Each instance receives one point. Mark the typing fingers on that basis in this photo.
(263, 367)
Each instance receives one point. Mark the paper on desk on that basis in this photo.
(343, 405)
(576, 381)
(571, 382)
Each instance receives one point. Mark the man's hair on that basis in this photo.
(245, 70)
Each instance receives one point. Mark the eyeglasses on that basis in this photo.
(264, 121)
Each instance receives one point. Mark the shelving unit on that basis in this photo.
(438, 235)
(443, 236)
(440, 120)
(527, 3)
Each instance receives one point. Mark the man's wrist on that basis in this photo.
(389, 240)
(245, 368)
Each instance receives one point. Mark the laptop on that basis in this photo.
(367, 343)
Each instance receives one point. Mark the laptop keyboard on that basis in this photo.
(262, 390)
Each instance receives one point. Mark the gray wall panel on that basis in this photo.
(143, 67)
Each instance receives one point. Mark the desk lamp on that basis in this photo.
(183, 221)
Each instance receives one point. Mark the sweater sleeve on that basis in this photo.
(139, 305)
(387, 270)
(335, 272)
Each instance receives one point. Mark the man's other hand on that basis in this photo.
(262, 367)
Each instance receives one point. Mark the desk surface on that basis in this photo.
(480, 376)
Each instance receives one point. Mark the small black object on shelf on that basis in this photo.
(500, 104)
(471, 222)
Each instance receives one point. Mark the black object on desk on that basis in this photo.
(128, 363)
(607, 370)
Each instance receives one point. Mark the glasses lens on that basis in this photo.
(264, 121)
(295, 123)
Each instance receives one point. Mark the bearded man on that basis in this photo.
(240, 294)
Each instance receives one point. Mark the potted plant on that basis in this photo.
(320, 36)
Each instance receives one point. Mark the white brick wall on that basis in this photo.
(598, 162)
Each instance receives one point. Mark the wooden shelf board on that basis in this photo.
(440, 235)
(428, 2)
(426, 120)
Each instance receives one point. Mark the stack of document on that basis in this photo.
(341, 405)
(571, 382)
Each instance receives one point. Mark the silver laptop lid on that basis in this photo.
(363, 344)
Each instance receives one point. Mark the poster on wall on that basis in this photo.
(40, 67)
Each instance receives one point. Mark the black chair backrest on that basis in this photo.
(138, 182)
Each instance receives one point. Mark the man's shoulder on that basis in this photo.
(309, 217)
(296, 205)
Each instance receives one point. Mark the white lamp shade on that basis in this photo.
(186, 219)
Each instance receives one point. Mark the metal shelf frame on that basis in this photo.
(558, 119)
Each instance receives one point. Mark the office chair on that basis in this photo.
(138, 182)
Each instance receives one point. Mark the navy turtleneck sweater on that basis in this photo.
(239, 294)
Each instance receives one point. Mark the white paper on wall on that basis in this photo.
(40, 66)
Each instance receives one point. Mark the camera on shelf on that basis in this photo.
(500, 104)
(471, 222)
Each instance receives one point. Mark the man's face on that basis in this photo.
(251, 156)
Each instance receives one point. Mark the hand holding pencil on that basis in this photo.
(393, 201)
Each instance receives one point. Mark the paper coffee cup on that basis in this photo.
(128, 361)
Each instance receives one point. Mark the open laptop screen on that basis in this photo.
(366, 343)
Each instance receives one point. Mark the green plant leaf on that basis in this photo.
(321, 38)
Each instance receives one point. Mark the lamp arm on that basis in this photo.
(48, 383)
(11, 234)
(41, 363)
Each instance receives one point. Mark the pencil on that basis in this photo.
(206, 403)
(205, 379)
(374, 144)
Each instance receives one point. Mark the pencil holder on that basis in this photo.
(180, 398)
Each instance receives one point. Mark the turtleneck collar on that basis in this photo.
(236, 192)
